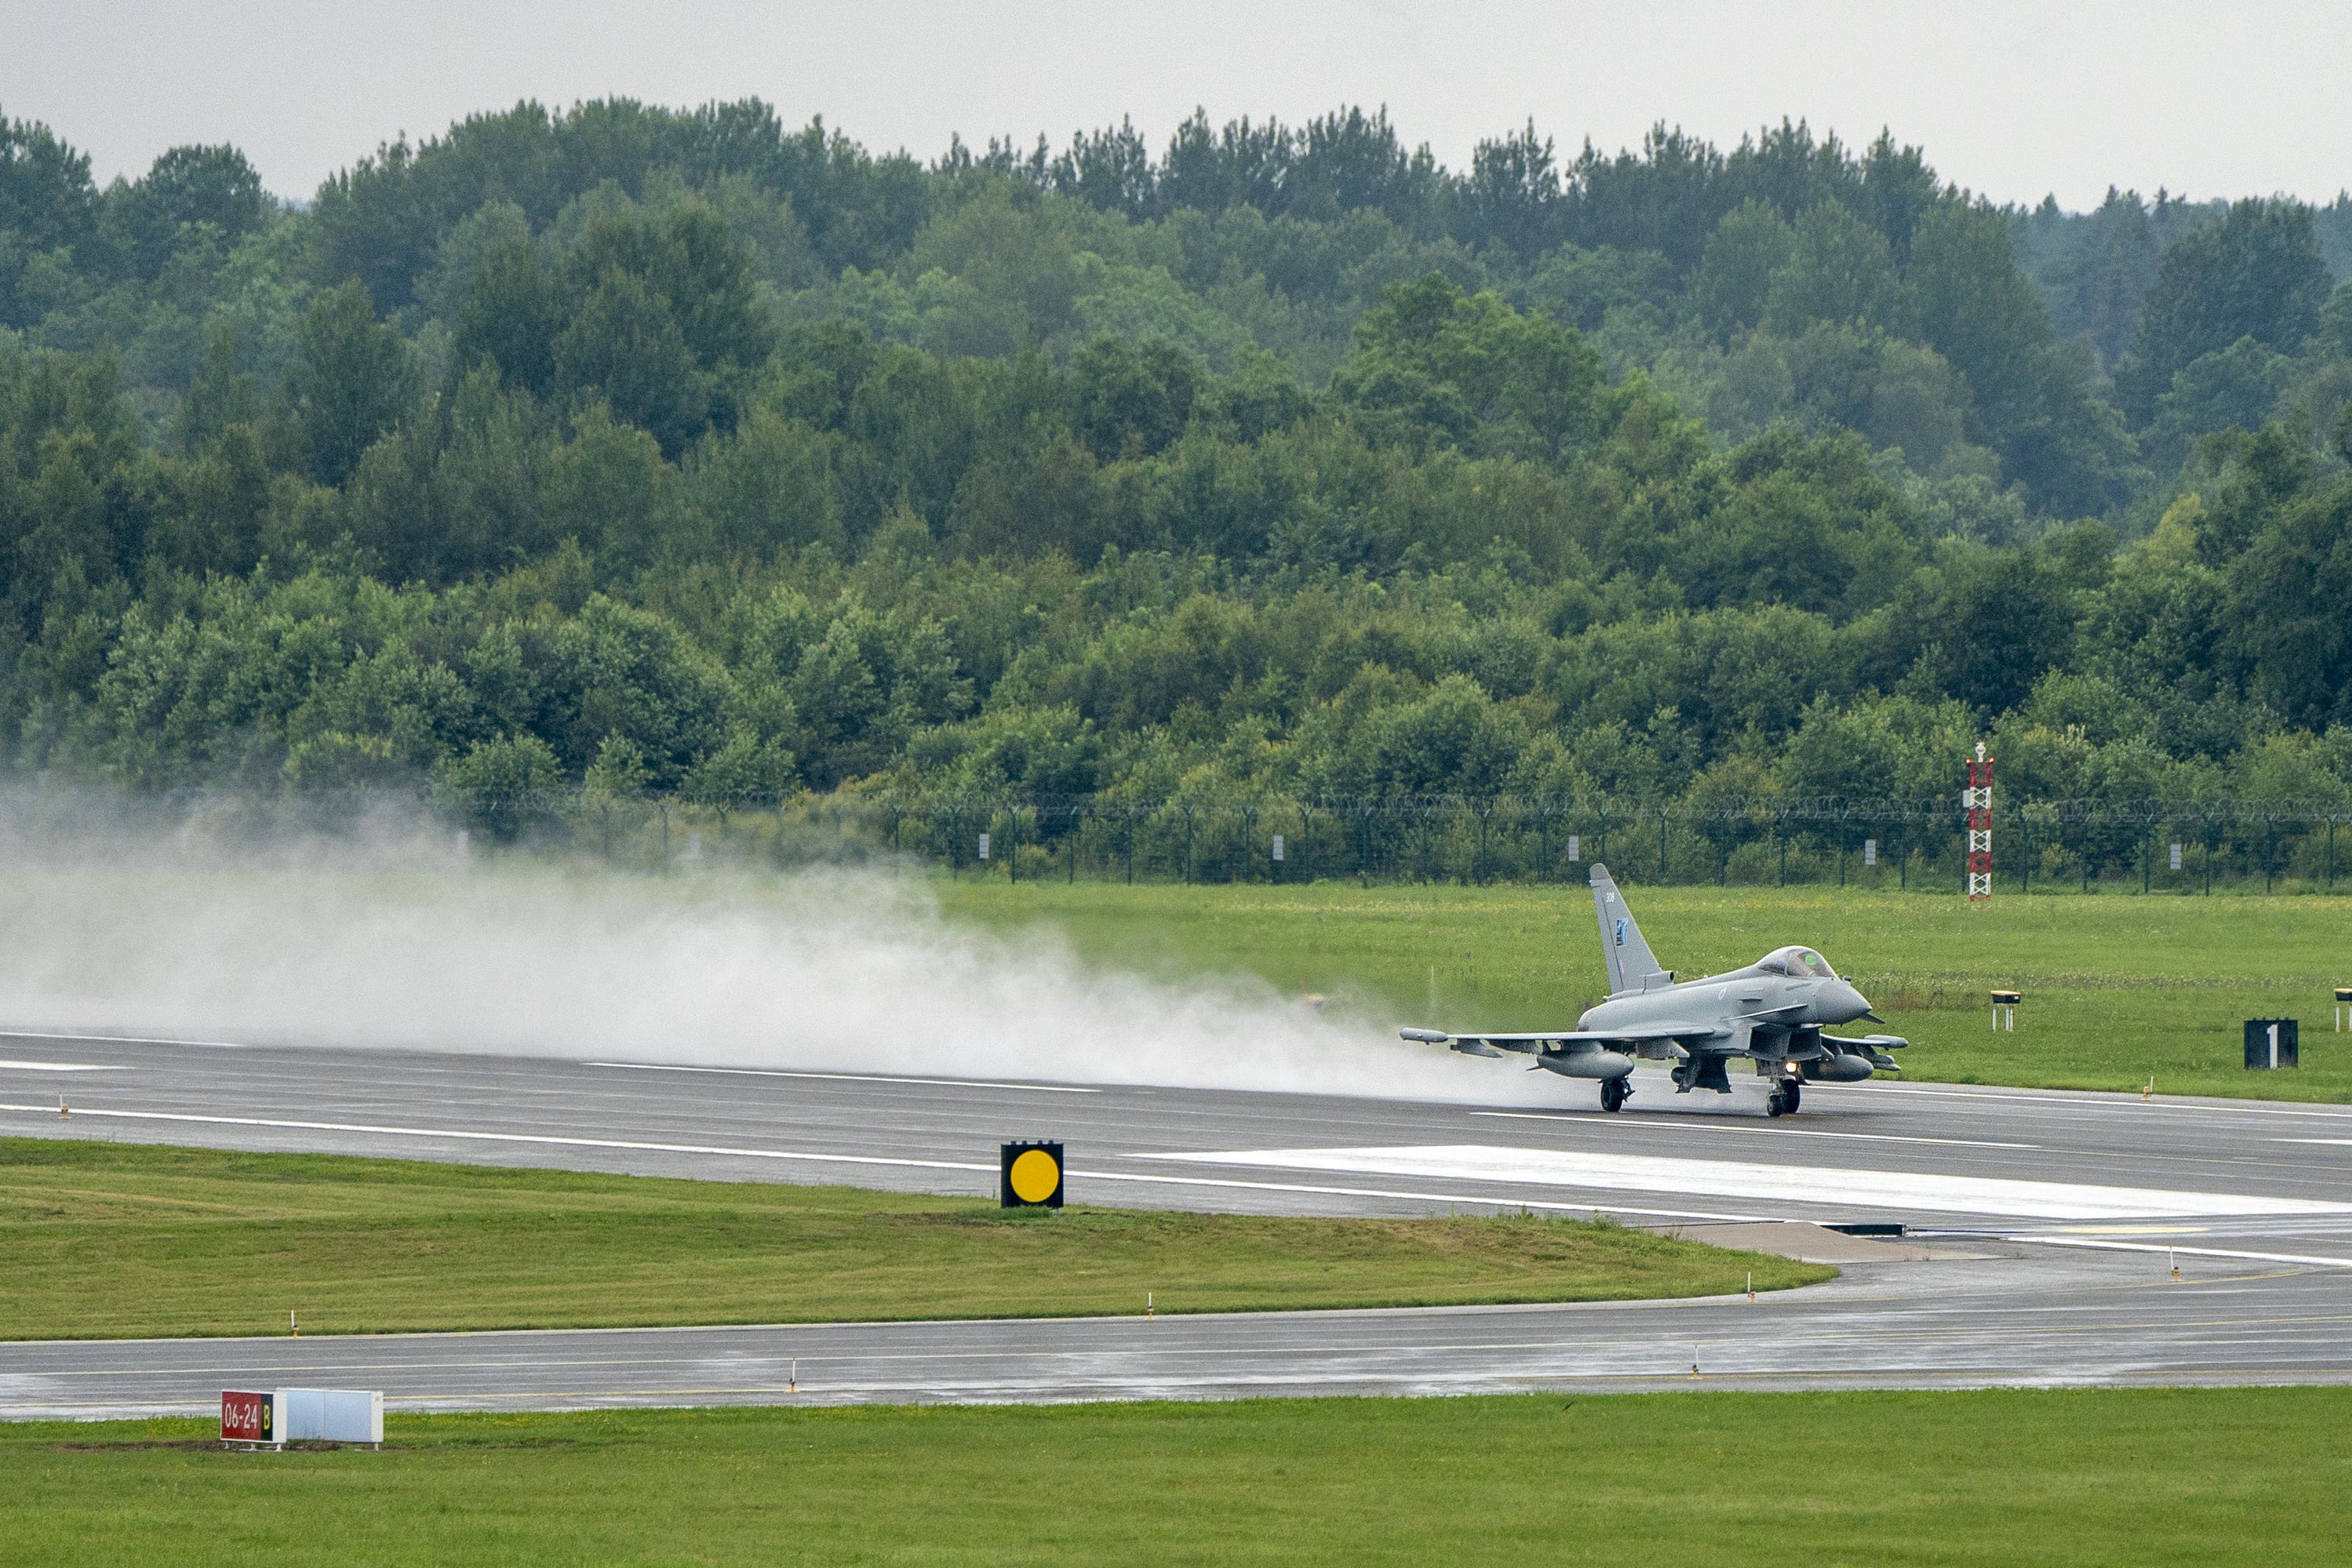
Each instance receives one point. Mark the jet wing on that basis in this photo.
(1495, 1044)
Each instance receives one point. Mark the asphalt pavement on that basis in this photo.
(2052, 1223)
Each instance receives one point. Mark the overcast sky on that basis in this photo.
(2011, 99)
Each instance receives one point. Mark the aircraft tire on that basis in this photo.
(1776, 1104)
(1794, 1092)
(1613, 1093)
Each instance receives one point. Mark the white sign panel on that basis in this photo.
(984, 846)
(1575, 847)
(331, 1416)
(2176, 857)
(1870, 851)
(1277, 846)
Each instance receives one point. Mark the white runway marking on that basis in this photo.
(849, 1077)
(58, 1067)
(120, 1039)
(542, 1138)
(635, 1146)
(2082, 1100)
(1651, 1123)
(1762, 1183)
(2304, 1258)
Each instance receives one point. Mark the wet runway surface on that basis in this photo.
(2052, 1222)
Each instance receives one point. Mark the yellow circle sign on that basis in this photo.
(1034, 1176)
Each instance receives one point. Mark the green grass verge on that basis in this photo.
(101, 1240)
(2117, 989)
(2004, 1477)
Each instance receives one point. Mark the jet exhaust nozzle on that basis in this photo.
(1586, 1063)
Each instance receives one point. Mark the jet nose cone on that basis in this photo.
(1846, 1002)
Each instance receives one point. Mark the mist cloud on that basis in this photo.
(400, 934)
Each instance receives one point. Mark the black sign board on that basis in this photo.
(1030, 1176)
(2270, 1042)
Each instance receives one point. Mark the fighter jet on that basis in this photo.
(1772, 1013)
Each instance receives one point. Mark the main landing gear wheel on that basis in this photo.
(1783, 1100)
(1614, 1092)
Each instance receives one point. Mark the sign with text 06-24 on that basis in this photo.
(1031, 1176)
(248, 1417)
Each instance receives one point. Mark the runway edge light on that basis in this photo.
(1030, 1176)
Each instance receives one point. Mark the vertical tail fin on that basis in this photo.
(1631, 966)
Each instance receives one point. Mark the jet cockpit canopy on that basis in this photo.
(1797, 963)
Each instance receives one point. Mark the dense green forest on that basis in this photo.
(679, 451)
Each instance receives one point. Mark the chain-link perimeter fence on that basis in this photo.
(2172, 846)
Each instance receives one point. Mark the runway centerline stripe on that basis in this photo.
(1650, 1127)
(58, 1067)
(1739, 1178)
(847, 1077)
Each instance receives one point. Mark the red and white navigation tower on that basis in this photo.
(1978, 799)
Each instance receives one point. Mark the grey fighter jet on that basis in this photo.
(1774, 1013)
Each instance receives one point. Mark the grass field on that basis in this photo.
(2117, 989)
(2006, 1477)
(111, 1239)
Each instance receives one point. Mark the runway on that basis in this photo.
(2054, 1220)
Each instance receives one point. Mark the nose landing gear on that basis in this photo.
(1614, 1092)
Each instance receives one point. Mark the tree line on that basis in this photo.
(637, 450)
